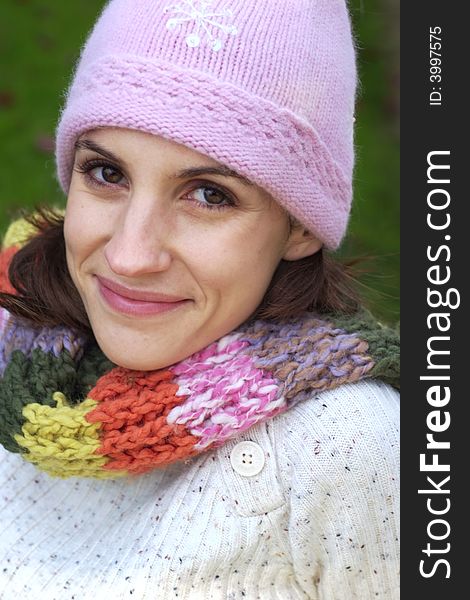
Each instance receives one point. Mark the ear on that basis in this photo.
(301, 243)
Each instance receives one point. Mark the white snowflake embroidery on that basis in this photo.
(204, 18)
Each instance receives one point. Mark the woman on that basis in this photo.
(193, 403)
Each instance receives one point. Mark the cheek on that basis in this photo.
(238, 262)
(76, 239)
(83, 229)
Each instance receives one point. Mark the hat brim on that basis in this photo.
(270, 146)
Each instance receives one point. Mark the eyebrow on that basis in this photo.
(221, 169)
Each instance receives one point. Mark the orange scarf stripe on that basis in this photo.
(132, 410)
(5, 260)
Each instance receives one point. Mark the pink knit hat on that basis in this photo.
(266, 87)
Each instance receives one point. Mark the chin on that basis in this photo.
(140, 365)
(134, 362)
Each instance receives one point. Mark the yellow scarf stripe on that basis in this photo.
(60, 441)
(18, 233)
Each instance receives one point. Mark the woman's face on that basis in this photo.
(166, 260)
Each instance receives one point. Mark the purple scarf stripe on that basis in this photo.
(17, 335)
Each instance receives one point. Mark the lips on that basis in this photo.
(134, 294)
(137, 302)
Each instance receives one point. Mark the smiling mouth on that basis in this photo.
(137, 302)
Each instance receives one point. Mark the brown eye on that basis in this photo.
(210, 196)
(109, 174)
(98, 173)
(213, 195)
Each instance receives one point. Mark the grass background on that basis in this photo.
(39, 44)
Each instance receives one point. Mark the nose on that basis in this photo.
(139, 242)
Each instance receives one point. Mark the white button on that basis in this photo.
(247, 458)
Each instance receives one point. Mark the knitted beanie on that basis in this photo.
(266, 87)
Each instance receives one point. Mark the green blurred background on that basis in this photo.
(39, 43)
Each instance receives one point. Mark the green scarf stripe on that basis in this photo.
(384, 343)
(35, 379)
(93, 365)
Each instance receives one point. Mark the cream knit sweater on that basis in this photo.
(319, 521)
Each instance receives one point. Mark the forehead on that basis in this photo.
(131, 139)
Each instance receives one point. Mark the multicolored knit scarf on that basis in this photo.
(66, 408)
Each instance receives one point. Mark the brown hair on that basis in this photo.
(47, 296)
